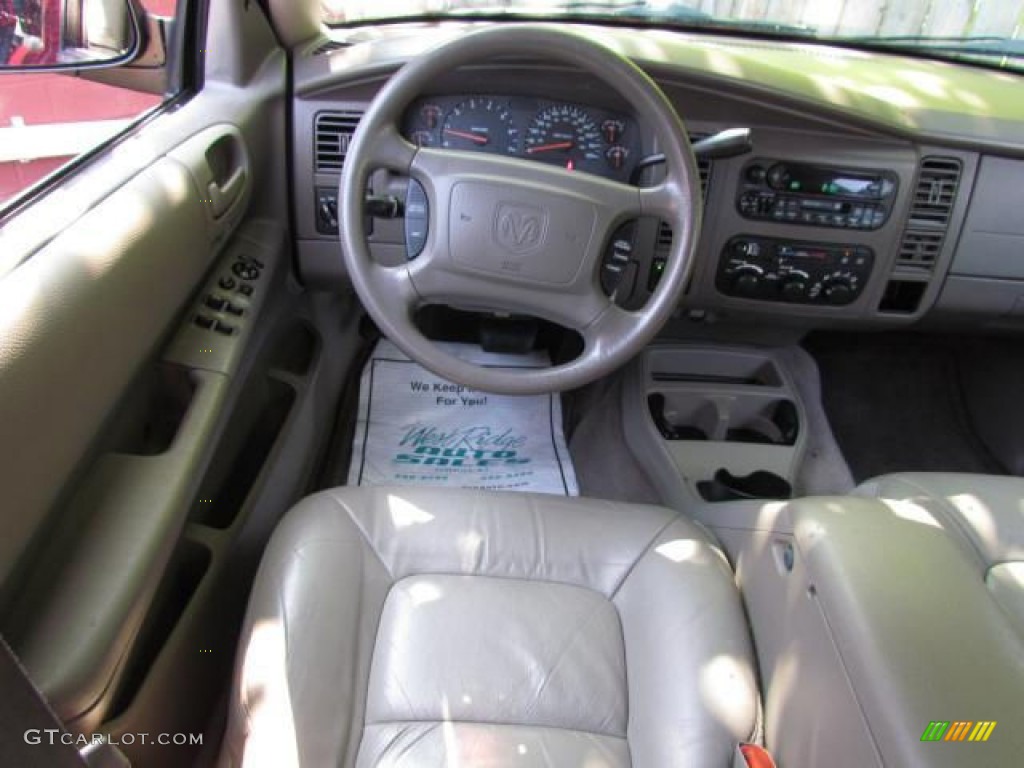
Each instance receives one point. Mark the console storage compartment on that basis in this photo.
(875, 607)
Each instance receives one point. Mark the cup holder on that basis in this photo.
(775, 424)
(753, 419)
(685, 420)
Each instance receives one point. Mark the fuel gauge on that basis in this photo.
(616, 156)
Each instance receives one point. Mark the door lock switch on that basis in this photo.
(245, 270)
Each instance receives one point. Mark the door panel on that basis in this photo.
(112, 399)
(78, 318)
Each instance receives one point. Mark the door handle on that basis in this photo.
(223, 195)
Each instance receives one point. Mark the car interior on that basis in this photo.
(758, 297)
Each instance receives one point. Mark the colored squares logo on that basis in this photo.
(959, 730)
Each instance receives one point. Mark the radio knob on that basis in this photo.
(777, 176)
(794, 288)
(756, 174)
(839, 292)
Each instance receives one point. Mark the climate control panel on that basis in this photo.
(770, 269)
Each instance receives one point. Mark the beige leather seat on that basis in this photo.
(399, 627)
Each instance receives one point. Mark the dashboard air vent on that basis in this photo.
(703, 166)
(332, 133)
(930, 211)
(935, 191)
(664, 242)
(920, 249)
(327, 46)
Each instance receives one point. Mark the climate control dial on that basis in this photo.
(794, 286)
(748, 280)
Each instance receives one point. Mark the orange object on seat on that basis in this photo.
(756, 757)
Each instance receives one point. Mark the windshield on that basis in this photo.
(986, 30)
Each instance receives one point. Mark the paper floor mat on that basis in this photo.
(416, 428)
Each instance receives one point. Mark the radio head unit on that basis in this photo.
(816, 195)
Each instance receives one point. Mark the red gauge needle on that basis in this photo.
(549, 147)
(475, 138)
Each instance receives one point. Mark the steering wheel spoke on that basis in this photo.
(604, 335)
(389, 149)
(665, 201)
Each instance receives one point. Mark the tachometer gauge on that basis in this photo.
(480, 123)
(565, 135)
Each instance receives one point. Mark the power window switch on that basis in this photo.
(227, 282)
(234, 309)
(216, 303)
(245, 289)
(224, 329)
(204, 321)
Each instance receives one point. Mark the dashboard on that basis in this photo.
(574, 136)
(880, 191)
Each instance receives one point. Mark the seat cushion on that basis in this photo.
(423, 627)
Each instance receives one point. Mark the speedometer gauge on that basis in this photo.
(483, 124)
(565, 135)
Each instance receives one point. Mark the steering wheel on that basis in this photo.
(514, 235)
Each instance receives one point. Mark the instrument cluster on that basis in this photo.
(573, 136)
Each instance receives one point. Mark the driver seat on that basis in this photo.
(430, 627)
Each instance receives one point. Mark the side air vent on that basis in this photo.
(332, 133)
(327, 46)
(930, 211)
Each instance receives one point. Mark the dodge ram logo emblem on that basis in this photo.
(520, 228)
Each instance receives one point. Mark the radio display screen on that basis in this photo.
(819, 181)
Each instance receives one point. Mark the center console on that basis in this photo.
(695, 414)
(880, 608)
